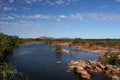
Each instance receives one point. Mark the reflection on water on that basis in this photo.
(38, 61)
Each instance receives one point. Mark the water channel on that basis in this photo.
(38, 62)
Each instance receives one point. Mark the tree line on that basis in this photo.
(79, 41)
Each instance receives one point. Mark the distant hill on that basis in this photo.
(44, 37)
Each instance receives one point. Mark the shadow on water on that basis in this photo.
(98, 76)
(38, 62)
(20, 76)
(58, 56)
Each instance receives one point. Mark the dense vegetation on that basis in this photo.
(77, 41)
(7, 43)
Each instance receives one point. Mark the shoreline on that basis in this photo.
(97, 49)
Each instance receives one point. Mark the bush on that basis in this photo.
(7, 72)
(110, 58)
(58, 49)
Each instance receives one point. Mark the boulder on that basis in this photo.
(58, 62)
(71, 67)
(117, 70)
(79, 69)
(109, 66)
(92, 61)
(100, 65)
(88, 68)
(98, 69)
(84, 74)
(71, 61)
(119, 57)
(75, 63)
(68, 70)
(66, 51)
(115, 77)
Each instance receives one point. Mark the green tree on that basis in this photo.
(58, 49)
(76, 41)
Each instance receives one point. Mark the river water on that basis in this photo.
(38, 62)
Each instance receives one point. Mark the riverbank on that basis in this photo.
(98, 49)
(7, 44)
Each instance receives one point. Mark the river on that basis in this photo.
(38, 62)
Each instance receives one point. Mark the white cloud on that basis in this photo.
(39, 16)
(10, 17)
(32, 1)
(35, 16)
(103, 6)
(6, 23)
(1, 25)
(27, 23)
(88, 17)
(62, 16)
(59, 2)
(28, 2)
(103, 17)
(85, 17)
(58, 18)
(69, 0)
(19, 24)
(78, 16)
(11, 1)
(7, 8)
(25, 8)
(7, 18)
(118, 0)
(49, 2)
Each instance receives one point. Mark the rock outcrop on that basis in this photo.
(85, 68)
(66, 51)
(58, 62)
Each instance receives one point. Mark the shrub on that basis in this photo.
(110, 58)
(58, 49)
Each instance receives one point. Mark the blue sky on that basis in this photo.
(60, 18)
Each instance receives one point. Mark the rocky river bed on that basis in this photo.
(86, 68)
